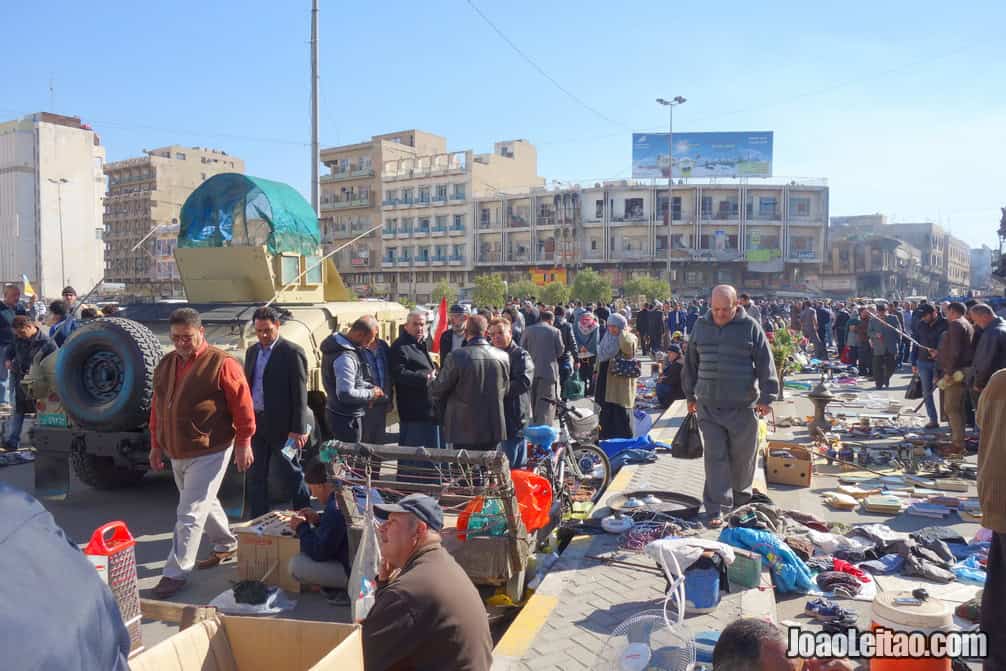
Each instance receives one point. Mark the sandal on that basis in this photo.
(714, 522)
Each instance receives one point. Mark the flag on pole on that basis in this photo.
(28, 289)
(441, 325)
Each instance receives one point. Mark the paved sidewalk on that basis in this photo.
(568, 620)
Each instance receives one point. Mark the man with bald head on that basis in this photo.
(348, 380)
(729, 376)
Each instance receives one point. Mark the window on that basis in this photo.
(459, 222)
(707, 207)
(799, 206)
(728, 208)
(312, 264)
(424, 224)
(441, 223)
(289, 268)
(484, 218)
(459, 192)
(676, 208)
(180, 156)
(99, 233)
(593, 244)
(424, 194)
(598, 209)
(634, 209)
(459, 251)
(768, 207)
(407, 196)
(441, 192)
(694, 278)
(422, 277)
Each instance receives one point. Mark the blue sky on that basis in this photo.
(901, 106)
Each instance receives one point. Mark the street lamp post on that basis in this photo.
(59, 206)
(669, 104)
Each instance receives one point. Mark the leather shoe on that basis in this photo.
(215, 559)
(168, 587)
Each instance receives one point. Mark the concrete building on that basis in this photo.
(144, 199)
(51, 185)
(773, 243)
(857, 226)
(946, 260)
(875, 266)
(984, 282)
(426, 209)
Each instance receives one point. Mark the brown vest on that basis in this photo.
(193, 419)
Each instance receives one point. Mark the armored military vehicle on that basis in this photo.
(242, 242)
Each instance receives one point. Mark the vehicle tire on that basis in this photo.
(594, 472)
(101, 472)
(105, 374)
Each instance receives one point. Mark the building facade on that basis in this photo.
(425, 210)
(875, 266)
(946, 260)
(761, 237)
(141, 215)
(51, 186)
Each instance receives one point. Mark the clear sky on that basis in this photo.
(900, 105)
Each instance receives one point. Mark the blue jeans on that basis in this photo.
(927, 373)
(515, 450)
(417, 434)
(13, 437)
(6, 382)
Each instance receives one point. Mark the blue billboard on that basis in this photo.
(745, 154)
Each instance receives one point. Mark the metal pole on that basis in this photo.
(62, 248)
(315, 149)
(670, 182)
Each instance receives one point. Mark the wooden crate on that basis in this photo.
(265, 541)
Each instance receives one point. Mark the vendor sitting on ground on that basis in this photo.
(669, 383)
(427, 614)
(750, 644)
(324, 544)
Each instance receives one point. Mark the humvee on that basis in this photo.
(242, 242)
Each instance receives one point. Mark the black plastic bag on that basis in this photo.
(687, 442)
(914, 391)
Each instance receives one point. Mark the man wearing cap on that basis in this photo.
(427, 614)
(454, 337)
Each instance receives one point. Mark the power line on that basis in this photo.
(530, 61)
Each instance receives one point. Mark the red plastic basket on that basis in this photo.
(112, 550)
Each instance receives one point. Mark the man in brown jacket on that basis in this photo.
(991, 418)
(427, 614)
(955, 353)
(863, 350)
(202, 410)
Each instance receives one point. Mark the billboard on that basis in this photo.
(742, 154)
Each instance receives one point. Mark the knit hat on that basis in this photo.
(618, 320)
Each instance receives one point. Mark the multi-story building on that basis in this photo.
(761, 237)
(946, 260)
(857, 226)
(142, 206)
(51, 185)
(875, 266)
(427, 197)
(982, 264)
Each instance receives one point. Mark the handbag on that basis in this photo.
(574, 388)
(914, 391)
(623, 367)
(687, 442)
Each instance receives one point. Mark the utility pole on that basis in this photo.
(315, 149)
(62, 250)
(669, 104)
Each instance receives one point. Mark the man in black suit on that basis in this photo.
(277, 374)
(412, 369)
(454, 337)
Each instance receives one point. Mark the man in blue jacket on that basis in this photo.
(677, 319)
(324, 543)
(58, 613)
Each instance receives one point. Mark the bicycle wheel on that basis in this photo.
(588, 472)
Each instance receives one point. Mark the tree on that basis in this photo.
(650, 287)
(444, 289)
(490, 290)
(522, 289)
(554, 293)
(590, 287)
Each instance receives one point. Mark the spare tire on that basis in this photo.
(105, 374)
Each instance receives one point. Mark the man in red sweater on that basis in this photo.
(202, 410)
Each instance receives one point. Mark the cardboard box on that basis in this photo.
(794, 468)
(231, 643)
(265, 541)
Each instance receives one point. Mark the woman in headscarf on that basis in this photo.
(586, 333)
(615, 393)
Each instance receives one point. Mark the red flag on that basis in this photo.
(441, 325)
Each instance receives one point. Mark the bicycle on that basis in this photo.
(579, 471)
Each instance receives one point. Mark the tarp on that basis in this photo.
(238, 210)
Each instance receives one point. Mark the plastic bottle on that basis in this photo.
(290, 448)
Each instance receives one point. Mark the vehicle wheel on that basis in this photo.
(105, 374)
(590, 473)
(101, 472)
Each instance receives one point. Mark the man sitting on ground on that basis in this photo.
(750, 644)
(669, 387)
(428, 615)
(324, 543)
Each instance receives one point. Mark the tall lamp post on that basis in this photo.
(59, 205)
(670, 104)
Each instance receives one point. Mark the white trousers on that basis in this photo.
(198, 481)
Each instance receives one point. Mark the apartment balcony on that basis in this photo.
(543, 220)
(404, 263)
(545, 256)
(631, 255)
(346, 204)
(359, 262)
(632, 219)
(438, 231)
(456, 230)
(458, 197)
(403, 202)
(422, 203)
(518, 258)
(773, 216)
(494, 257)
(593, 255)
(387, 233)
(456, 260)
(488, 225)
(422, 261)
(388, 263)
(404, 233)
(439, 201)
(438, 260)
(593, 221)
(389, 202)
(517, 222)
(362, 172)
(421, 232)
